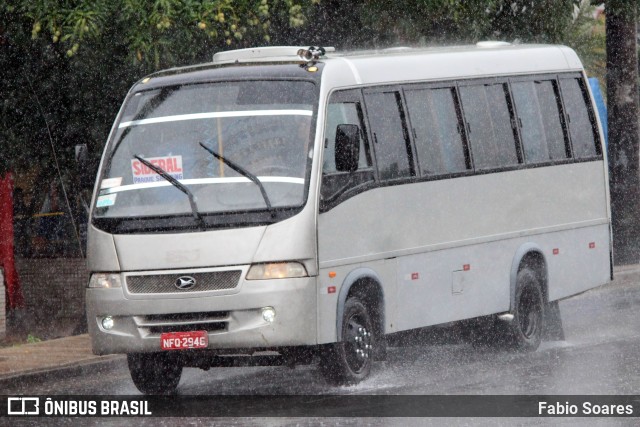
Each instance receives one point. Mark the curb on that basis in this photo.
(71, 369)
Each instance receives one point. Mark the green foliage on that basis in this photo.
(159, 33)
(32, 339)
(586, 35)
(455, 21)
(382, 23)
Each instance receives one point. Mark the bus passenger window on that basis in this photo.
(436, 127)
(549, 100)
(534, 140)
(390, 140)
(539, 120)
(491, 136)
(580, 123)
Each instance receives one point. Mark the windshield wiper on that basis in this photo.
(242, 171)
(192, 200)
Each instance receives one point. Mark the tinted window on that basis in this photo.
(580, 128)
(337, 114)
(534, 139)
(391, 147)
(437, 131)
(549, 101)
(345, 107)
(539, 120)
(486, 111)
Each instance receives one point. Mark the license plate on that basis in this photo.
(184, 340)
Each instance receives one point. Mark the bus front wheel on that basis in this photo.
(154, 373)
(349, 360)
(525, 331)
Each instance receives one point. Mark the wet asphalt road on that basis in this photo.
(600, 355)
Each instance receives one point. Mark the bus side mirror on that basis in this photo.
(347, 148)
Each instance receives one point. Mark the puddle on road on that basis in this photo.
(552, 345)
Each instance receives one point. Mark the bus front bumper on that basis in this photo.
(234, 321)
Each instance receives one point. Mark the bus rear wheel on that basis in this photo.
(349, 360)
(154, 373)
(525, 331)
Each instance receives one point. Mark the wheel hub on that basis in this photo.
(363, 343)
(358, 344)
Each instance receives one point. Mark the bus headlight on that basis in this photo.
(105, 281)
(276, 270)
(108, 323)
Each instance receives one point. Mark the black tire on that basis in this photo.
(154, 373)
(525, 331)
(349, 361)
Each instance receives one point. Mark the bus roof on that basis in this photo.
(414, 64)
(460, 62)
(394, 65)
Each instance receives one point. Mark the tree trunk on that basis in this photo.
(622, 94)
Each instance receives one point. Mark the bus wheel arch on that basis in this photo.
(530, 256)
(366, 285)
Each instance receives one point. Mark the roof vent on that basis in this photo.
(270, 53)
(492, 43)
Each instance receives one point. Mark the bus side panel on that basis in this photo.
(439, 227)
(469, 281)
(580, 262)
(452, 284)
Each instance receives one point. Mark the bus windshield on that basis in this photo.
(263, 127)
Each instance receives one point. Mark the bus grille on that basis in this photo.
(166, 283)
(216, 321)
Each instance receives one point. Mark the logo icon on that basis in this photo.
(23, 406)
(185, 282)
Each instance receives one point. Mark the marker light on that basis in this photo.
(105, 281)
(269, 314)
(107, 322)
(276, 270)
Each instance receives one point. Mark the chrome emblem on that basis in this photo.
(185, 282)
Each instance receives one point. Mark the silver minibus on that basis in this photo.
(287, 205)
